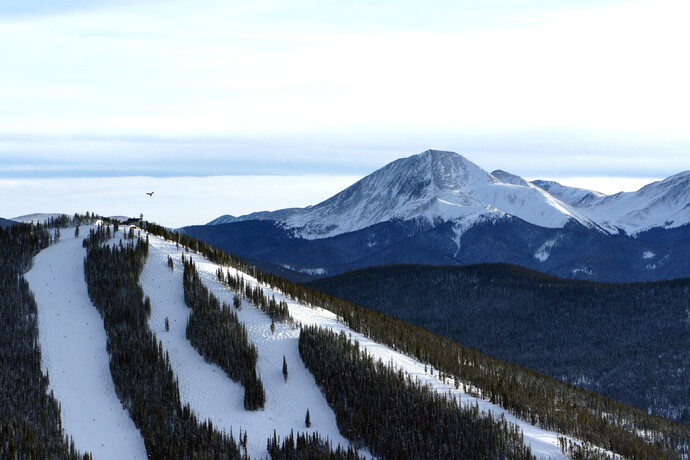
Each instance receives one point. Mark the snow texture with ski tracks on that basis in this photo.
(72, 339)
(73, 354)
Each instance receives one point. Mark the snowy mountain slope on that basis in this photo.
(508, 178)
(436, 186)
(73, 343)
(206, 388)
(664, 203)
(261, 215)
(543, 443)
(573, 196)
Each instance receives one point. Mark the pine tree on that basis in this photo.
(285, 369)
(307, 420)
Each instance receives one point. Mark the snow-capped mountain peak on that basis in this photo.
(435, 186)
(665, 203)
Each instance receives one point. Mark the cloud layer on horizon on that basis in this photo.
(541, 88)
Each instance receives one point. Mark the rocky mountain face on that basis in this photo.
(440, 208)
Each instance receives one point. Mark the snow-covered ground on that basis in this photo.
(73, 354)
(207, 389)
(72, 339)
(164, 284)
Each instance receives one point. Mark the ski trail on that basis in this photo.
(206, 388)
(544, 443)
(73, 354)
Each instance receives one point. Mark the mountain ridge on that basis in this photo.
(437, 207)
(434, 185)
(439, 185)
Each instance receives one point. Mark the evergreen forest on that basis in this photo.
(141, 371)
(30, 425)
(531, 395)
(379, 407)
(216, 333)
(630, 342)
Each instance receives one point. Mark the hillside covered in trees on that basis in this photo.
(148, 390)
(530, 395)
(630, 342)
(30, 425)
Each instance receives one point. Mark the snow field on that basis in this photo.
(206, 388)
(73, 354)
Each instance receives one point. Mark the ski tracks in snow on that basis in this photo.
(72, 340)
(205, 386)
(544, 444)
(73, 353)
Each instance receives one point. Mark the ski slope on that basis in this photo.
(205, 386)
(72, 339)
(73, 354)
(161, 284)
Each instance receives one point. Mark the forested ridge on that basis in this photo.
(277, 311)
(30, 424)
(155, 403)
(141, 370)
(216, 333)
(630, 342)
(530, 395)
(379, 407)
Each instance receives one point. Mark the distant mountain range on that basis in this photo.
(4, 223)
(439, 208)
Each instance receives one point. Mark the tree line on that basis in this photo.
(530, 395)
(141, 370)
(30, 424)
(307, 446)
(216, 333)
(630, 342)
(277, 311)
(381, 408)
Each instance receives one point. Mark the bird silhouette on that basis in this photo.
(150, 194)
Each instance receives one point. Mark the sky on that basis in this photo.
(134, 95)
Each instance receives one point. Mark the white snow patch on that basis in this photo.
(308, 271)
(313, 271)
(582, 270)
(648, 255)
(658, 263)
(544, 251)
(73, 352)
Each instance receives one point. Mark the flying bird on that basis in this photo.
(150, 194)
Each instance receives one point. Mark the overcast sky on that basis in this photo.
(568, 90)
